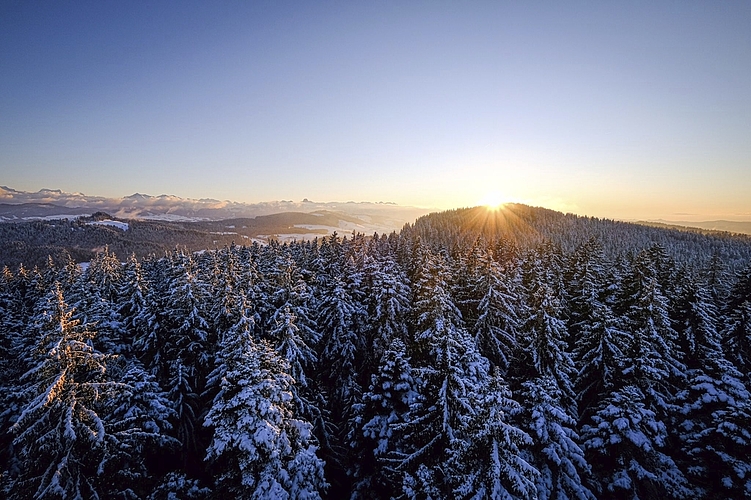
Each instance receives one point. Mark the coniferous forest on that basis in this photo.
(514, 354)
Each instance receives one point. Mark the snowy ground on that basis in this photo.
(113, 223)
(14, 218)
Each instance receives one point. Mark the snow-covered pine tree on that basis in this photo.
(94, 295)
(665, 269)
(492, 466)
(66, 441)
(132, 306)
(586, 288)
(245, 326)
(291, 342)
(653, 358)
(432, 431)
(640, 407)
(384, 405)
(544, 373)
(384, 330)
(596, 334)
(11, 320)
(624, 445)
(295, 336)
(176, 485)
(139, 418)
(496, 328)
(65, 272)
(146, 322)
(715, 447)
(11, 368)
(341, 322)
(23, 300)
(544, 347)
(232, 282)
(175, 347)
(544, 264)
(436, 454)
(717, 279)
(599, 358)
(555, 450)
(736, 334)
(390, 300)
(469, 266)
(260, 446)
(285, 288)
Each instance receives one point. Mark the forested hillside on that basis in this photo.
(514, 354)
(530, 226)
(32, 242)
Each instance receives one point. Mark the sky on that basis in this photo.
(625, 110)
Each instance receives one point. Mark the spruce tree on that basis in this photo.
(70, 441)
(544, 376)
(260, 447)
(492, 465)
(384, 406)
(556, 450)
(597, 335)
(455, 391)
(714, 400)
(497, 325)
(624, 444)
(653, 357)
(737, 330)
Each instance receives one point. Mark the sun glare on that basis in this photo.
(492, 201)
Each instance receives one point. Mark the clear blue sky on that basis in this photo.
(612, 109)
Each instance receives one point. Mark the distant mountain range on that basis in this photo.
(364, 217)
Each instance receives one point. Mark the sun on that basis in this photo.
(493, 201)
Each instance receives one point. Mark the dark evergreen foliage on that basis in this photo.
(514, 354)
